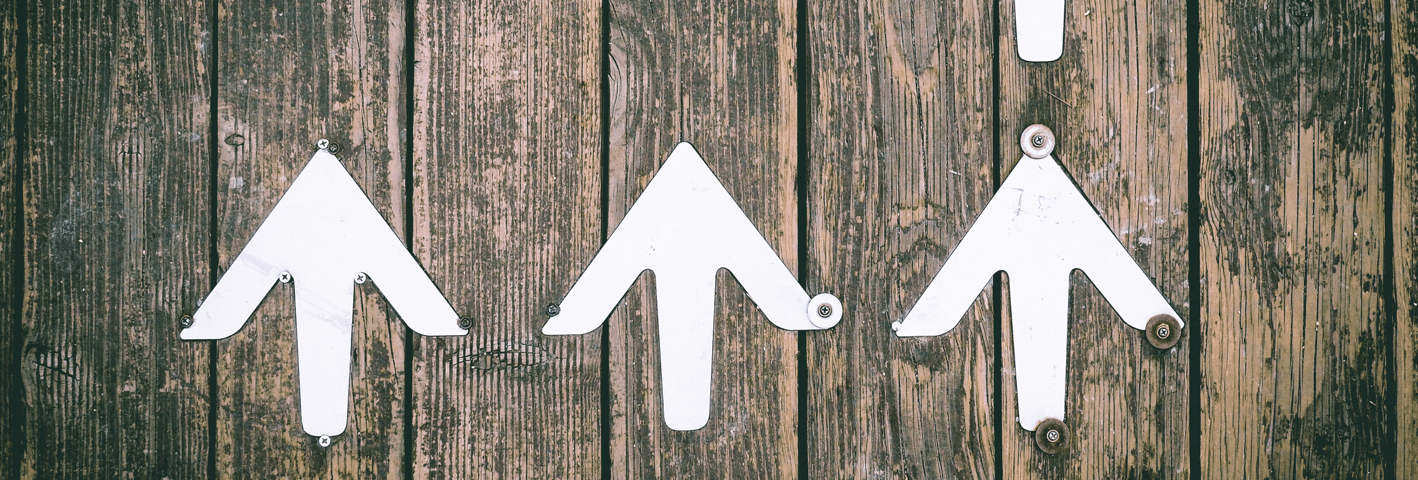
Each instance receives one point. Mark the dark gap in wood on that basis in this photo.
(213, 259)
(17, 245)
(605, 92)
(410, 12)
(803, 76)
(997, 289)
(1389, 285)
(1193, 239)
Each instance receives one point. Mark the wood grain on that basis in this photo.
(1116, 102)
(116, 239)
(290, 75)
(507, 192)
(1294, 336)
(719, 76)
(1404, 137)
(900, 163)
(12, 397)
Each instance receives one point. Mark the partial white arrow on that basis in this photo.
(1039, 29)
(685, 227)
(1038, 228)
(326, 235)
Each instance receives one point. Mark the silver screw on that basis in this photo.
(824, 310)
(323, 144)
(361, 278)
(1163, 332)
(1038, 140)
(324, 440)
(1052, 435)
(285, 277)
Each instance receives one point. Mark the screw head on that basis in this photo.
(1164, 331)
(553, 310)
(186, 321)
(1052, 436)
(285, 277)
(1037, 141)
(323, 144)
(465, 323)
(361, 278)
(824, 310)
(324, 440)
(333, 148)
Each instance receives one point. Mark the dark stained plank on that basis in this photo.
(11, 342)
(290, 74)
(900, 163)
(1404, 15)
(116, 239)
(1116, 102)
(1294, 334)
(719, 76)
(506, 210)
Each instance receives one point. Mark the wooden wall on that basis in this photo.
(1256, 158)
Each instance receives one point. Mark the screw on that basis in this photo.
(285, 277)
(465, 323)
(553, 310)
(323, 144)
(1053, 435)
(361, 278)
(324, 440)
(1160, 329)
(1163, 332)
(186, 321)
(334, 148)
(824, 310)
(1038, 141)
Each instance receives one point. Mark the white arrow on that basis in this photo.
(1039, 29)
(1039, 228)
(326, 235)
(685, 227)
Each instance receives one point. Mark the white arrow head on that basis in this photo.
(1039, 29)
(685, 227)
(325, 233)
(1038, 228)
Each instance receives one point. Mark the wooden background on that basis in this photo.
(1256, 157)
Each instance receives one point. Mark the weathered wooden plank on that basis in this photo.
(290, 74)
(1116, 102)
(116, 239)
(11, 342)
(719, 76)
(901, 161)
(507, 192)
(1294, 341)
(1404, 137)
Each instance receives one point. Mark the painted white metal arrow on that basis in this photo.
(326, 235)
(1038, 228)
(685, 227)
(1039, 29)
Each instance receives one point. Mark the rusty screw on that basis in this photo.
(1051, 436)
(553, 310)
(1163, 331)
(186, 321)
(465, 323)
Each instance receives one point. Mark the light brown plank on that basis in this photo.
(900, 163)
(1116, 102)
(719, 76)
(1404, 31)
(290, 74)
(11, 387)
(1292, 231)
(507, 177)
(116, 239)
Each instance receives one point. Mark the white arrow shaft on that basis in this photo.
(1038, 306)
(685, 301)
(324, 329)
